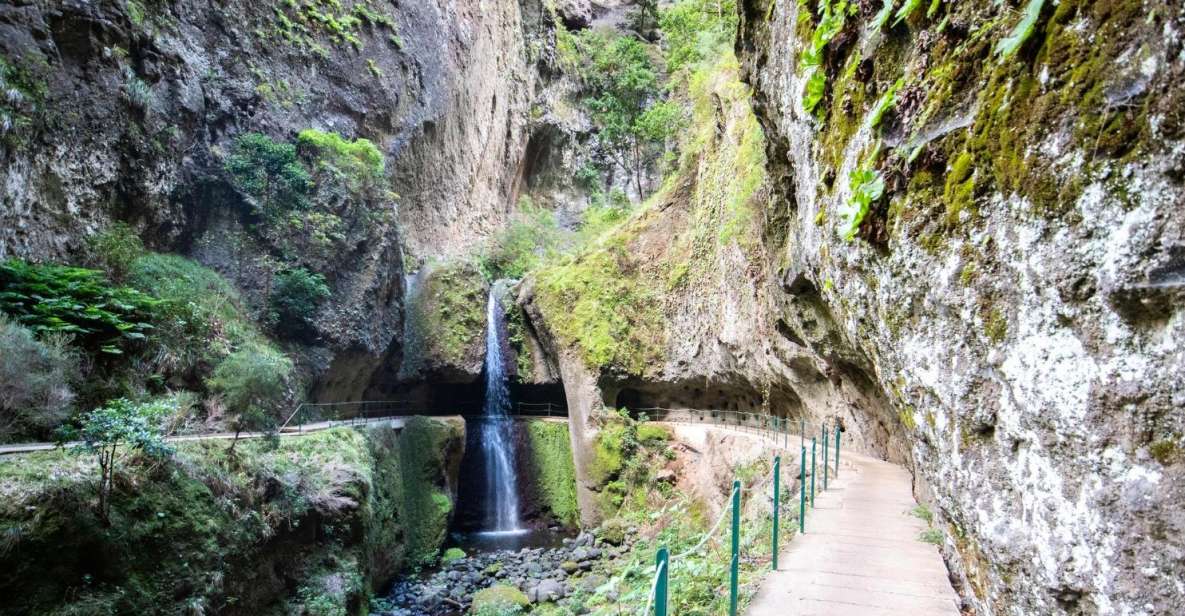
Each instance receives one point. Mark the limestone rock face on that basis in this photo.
(128, 111)
(1017, 292)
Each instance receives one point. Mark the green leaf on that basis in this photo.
(882, 17)
(886, 102)
(816, 87)
(934, 4)
(1023, 30)
(906, 10)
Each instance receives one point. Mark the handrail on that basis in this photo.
(659, 587)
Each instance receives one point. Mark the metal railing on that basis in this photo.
(367, 411)
(660, 589)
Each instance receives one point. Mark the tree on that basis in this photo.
(621, 83)
(122, 422)
(252, 382)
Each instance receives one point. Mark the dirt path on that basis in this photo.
(861, 555)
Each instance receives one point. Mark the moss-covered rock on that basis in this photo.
(446, 321)
(332, 514)
(553, 474)
(498, 600)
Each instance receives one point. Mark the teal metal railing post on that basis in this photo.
(802, 493)
(662, 561)
(734, 571)
(825, 458)
(837, 451)
(812, 471)
(777, 505)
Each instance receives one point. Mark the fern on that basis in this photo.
(906, 10)
(811, 59)
(882, 17)
(885, 103)
(1023, 30)
(867, 186)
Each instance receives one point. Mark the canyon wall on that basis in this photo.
(130, 111)
(1018, 288)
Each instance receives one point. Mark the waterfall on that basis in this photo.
(497, 446)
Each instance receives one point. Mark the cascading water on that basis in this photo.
(497, 447)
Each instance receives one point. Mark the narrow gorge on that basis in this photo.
(443, 307)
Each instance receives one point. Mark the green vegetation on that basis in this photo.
(295, 297)
(79, 302)
(201, 317)
(867, 187)
(37, 381)
(121, 423)
(269, 172)
(115, 249)
(25, 91)
(831, 21)
(1023, 30)
(531, 238)
(252, 382)
(499, 600)
(598, 303)
(621, 86)
(302, 23)
(1164, 451)
(549, 450)
(695, 30)
(923, 513)
(193, 531)
(452, 555)
(446, 317)
(932, 536)
(358, 160)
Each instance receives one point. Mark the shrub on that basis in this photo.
(115, 248)
(268, 171)
(358, 160)
(76, 301)
(35, 380)
(201, 316)
(453, 555)
(252, 382)
(499, 600)
(532, 237)
(650, 434)
(122, 422)
(294, 300)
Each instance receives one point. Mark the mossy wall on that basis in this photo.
(332, 515)
(552, 473)
(444, 332)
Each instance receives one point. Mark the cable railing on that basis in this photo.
(364, 412)
(660, 591)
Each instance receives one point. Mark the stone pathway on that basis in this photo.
(860, 555)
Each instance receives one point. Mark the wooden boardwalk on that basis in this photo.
(861, 555)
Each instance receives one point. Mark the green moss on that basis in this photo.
(209, 532)
(598, 303)
(906, 416)
(1164, 451)
(424, 449)
(498, 600)
(446, 317)
(959, 192)
(452, 555)
(553, 472)
(995, 326)
(359, 159)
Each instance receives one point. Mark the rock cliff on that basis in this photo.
(131, 110)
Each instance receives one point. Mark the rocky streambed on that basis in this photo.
(544, 575)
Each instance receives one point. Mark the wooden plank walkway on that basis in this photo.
(861, 555)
